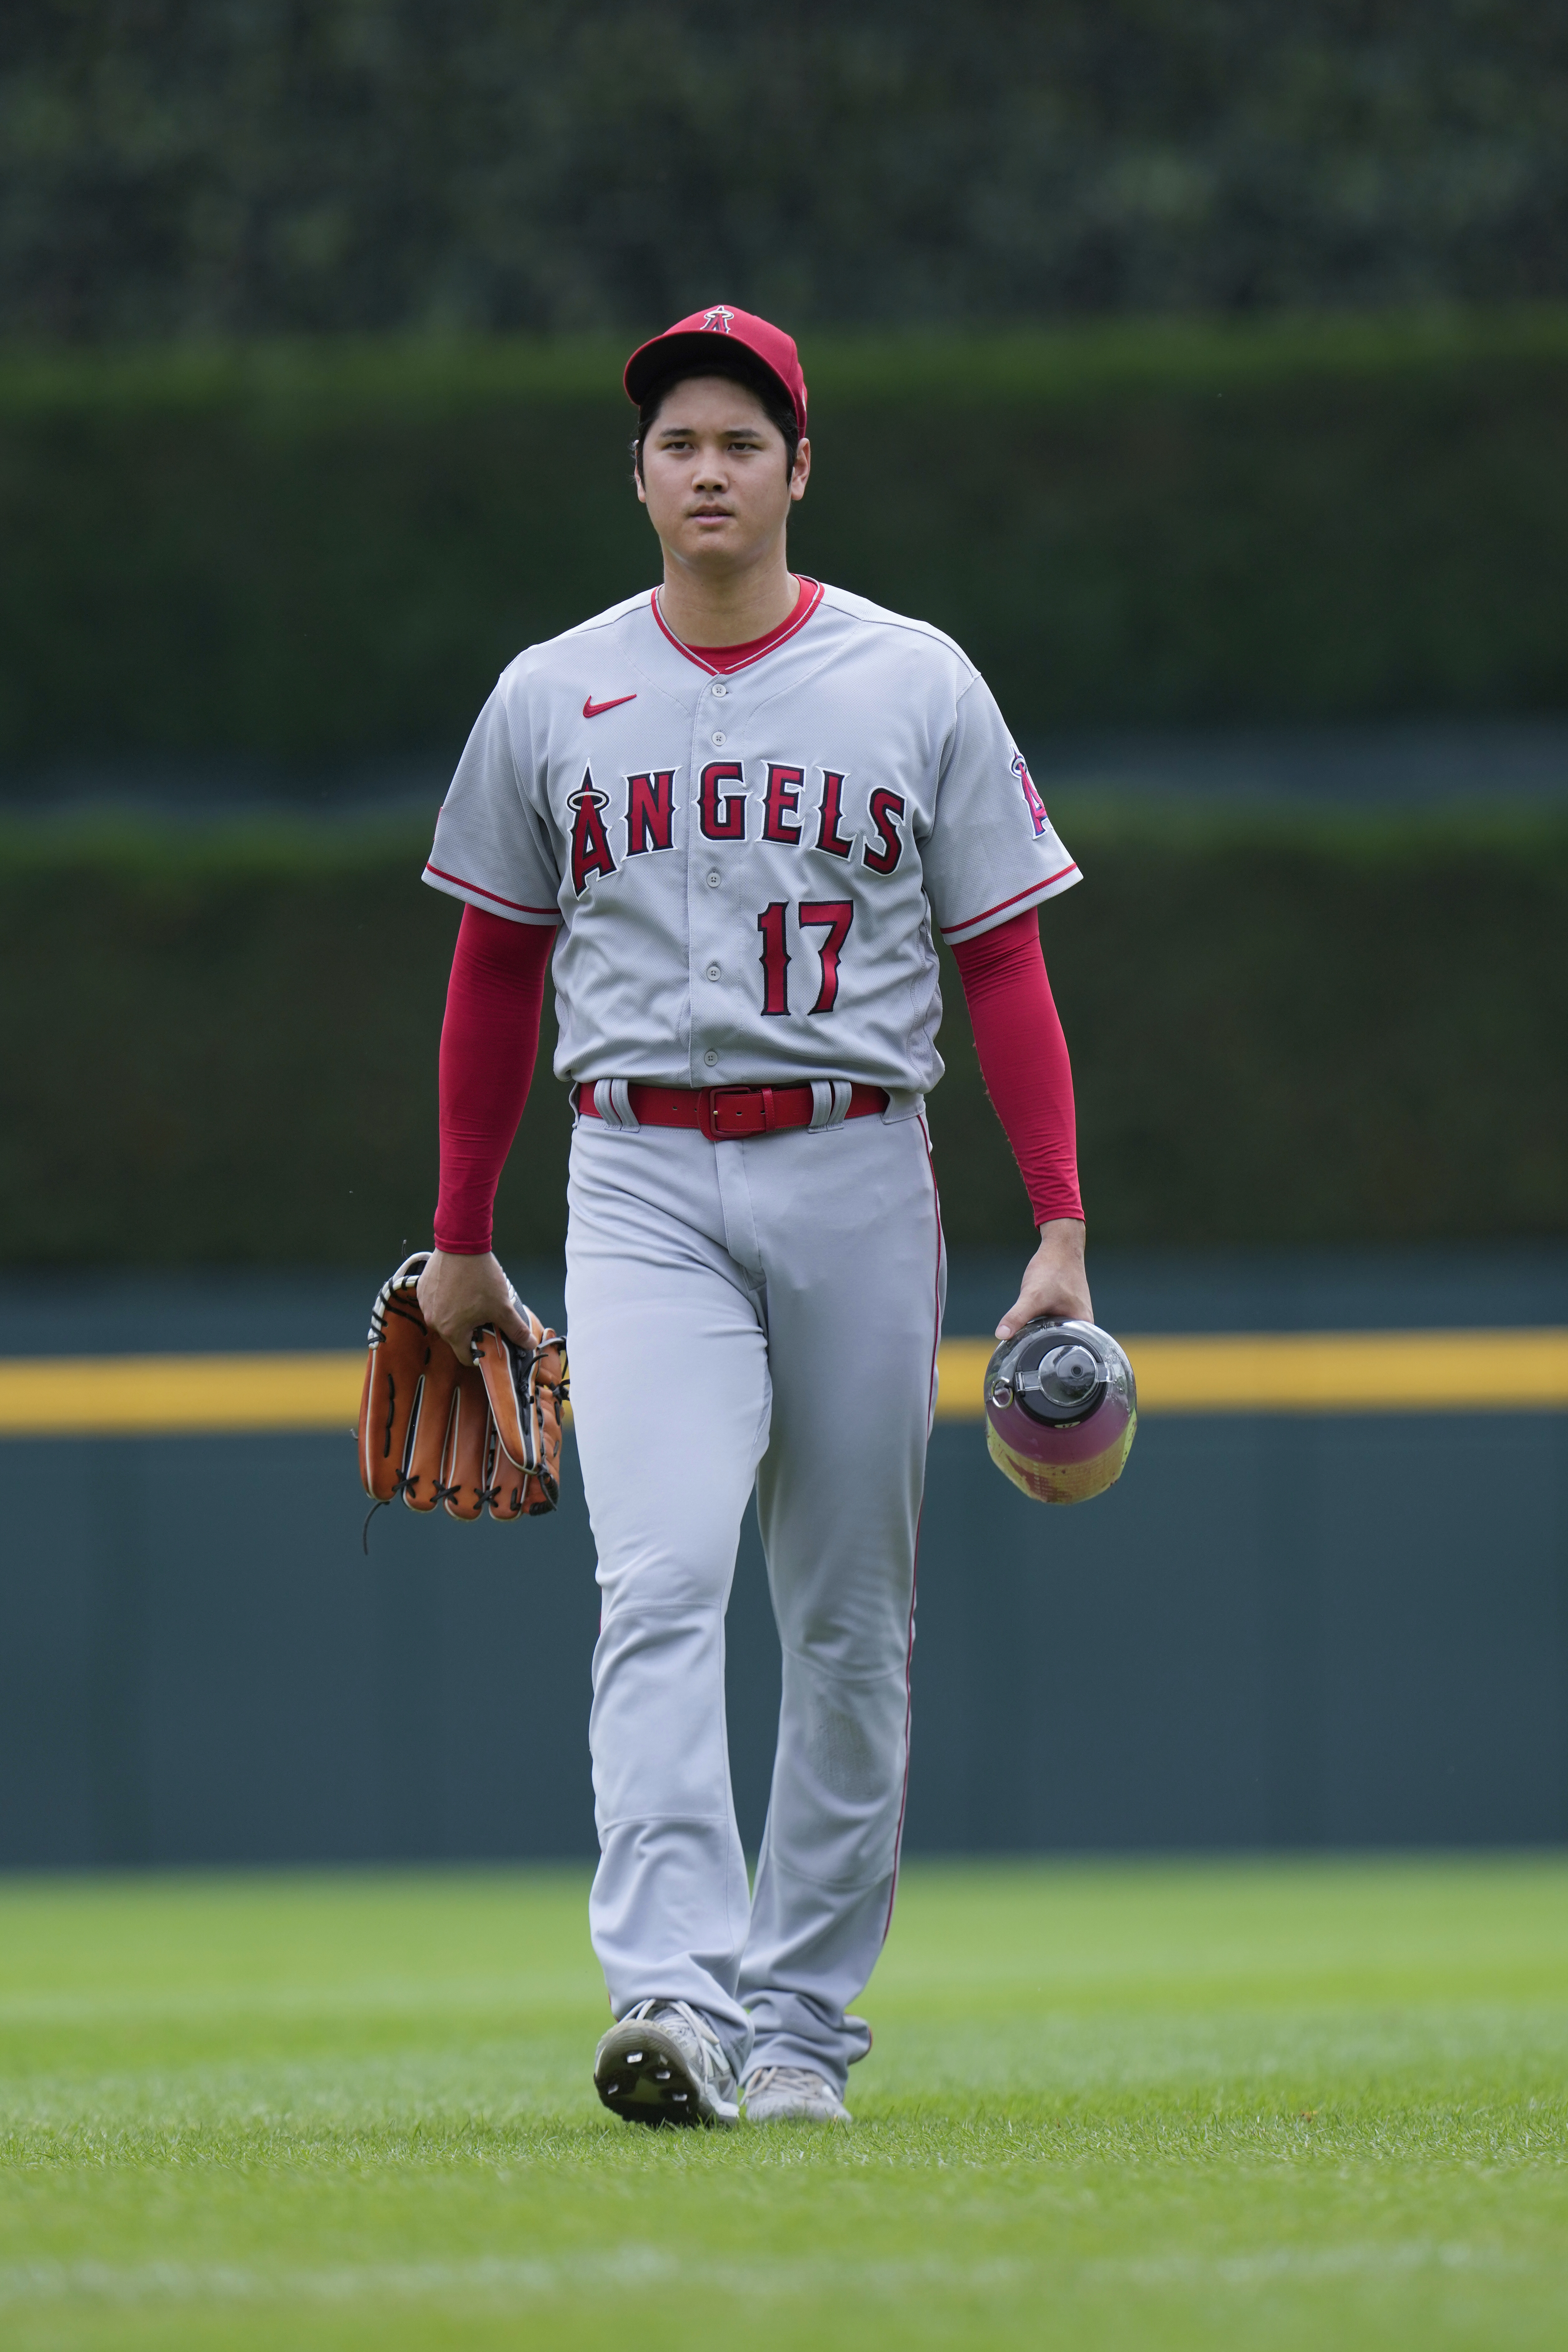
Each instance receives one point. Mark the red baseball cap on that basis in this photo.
(690, 339)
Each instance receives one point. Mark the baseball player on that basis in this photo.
(733, 813)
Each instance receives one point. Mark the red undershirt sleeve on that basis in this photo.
(490, 1043)
(1024, 1059)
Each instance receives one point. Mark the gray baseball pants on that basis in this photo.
(761, 1312)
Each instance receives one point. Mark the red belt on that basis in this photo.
(725, 1114)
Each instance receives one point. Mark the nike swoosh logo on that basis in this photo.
(590, 709)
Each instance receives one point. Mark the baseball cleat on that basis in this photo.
(792, 2095)
(663, 2064)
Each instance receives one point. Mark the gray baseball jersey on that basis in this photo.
(746, 866)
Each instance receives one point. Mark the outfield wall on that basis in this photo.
(1282, 1629)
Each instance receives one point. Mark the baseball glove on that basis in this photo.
(477, 1437)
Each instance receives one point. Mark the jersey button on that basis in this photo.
(712, 881)
(720, 687)
(718, 739)
(711, 1057)
(712, 971)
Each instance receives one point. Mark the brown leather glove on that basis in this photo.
(480, 1436)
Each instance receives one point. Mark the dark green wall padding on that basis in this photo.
(222, 1046)
(319, 554)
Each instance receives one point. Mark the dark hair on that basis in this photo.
(740, 364)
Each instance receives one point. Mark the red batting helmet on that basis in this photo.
(691, 340)
(1061, 1410)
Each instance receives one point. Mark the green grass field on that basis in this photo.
(1144, 2106)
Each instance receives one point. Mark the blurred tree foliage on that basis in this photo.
(198, 167)
(1282, 1032)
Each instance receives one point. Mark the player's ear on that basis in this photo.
(799, 473)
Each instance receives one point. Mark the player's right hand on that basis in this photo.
(457, 1294)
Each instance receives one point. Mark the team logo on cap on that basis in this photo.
(717, 321)
(1035, 806)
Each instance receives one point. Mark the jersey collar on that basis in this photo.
(724, 661)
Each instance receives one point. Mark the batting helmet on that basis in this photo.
(1061, 1410)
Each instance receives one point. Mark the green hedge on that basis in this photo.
(323, 553)
(223, 1046)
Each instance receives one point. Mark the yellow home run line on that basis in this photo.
(1318, 1371)
(1283, 1371)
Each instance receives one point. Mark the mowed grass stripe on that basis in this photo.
(1224, 1372)
(636, 2269)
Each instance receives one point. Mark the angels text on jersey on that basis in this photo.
(640, 817)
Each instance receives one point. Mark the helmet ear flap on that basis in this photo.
(1061, 1410)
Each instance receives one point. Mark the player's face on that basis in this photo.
(713, 476)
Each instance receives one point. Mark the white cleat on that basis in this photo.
(663, 2064)
(792, 2095)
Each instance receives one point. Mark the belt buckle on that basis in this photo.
(729, 1113)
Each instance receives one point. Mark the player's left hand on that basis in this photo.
(456, 1294)
(1054, 1280)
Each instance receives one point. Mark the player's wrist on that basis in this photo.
(1068, 1228)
